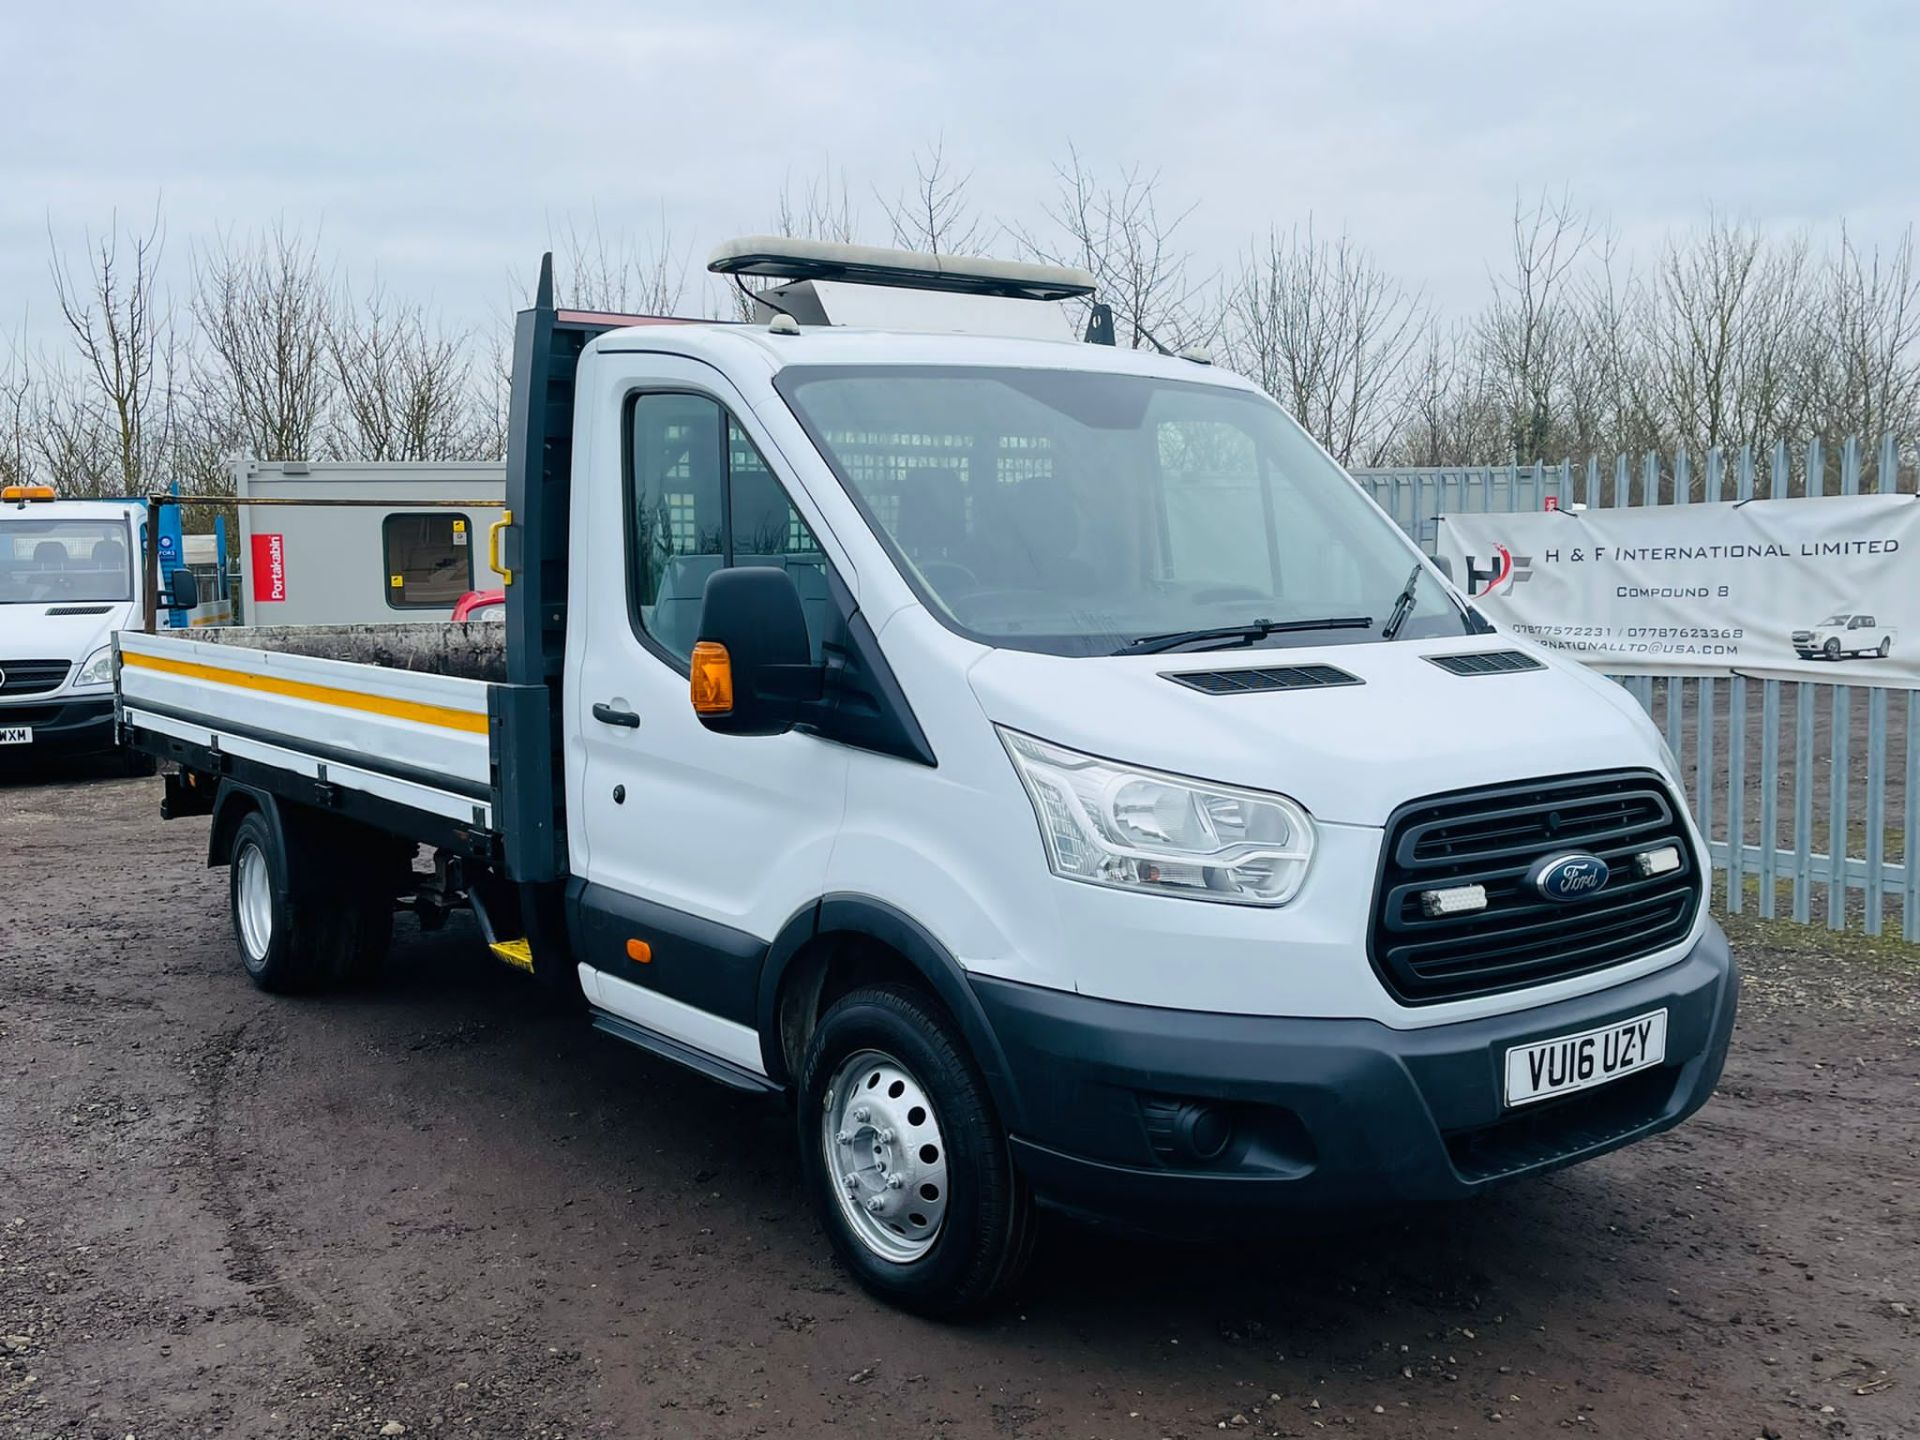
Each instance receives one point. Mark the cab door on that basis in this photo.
(692, 850)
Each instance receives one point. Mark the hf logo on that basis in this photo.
(1504, 570)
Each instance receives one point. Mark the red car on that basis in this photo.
(486, 606)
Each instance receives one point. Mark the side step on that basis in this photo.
(710, 1066)
(517, 953)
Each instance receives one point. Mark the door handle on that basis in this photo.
(614, 715)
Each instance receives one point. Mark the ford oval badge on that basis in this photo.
(1572, 876)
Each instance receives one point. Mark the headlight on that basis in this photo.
(1109, 824)
(99, 668)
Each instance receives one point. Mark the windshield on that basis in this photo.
(1836, 619)
(55, 561)
(1080, 513)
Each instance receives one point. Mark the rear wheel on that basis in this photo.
(273, 947)
(906, 1160)
(1886, 646)
(322, 914)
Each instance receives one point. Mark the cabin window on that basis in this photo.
(429, 559)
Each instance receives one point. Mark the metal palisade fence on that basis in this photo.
(1808, 793)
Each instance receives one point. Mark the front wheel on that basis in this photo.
(1833, 649)
(906, 1160)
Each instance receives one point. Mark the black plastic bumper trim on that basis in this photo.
(1386, 1111)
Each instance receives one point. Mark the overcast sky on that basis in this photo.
(442, 142)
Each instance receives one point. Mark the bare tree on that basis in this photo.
(263, 309)
(17, 419)
(1453, 413)
(1523, 331)
(936, 216)
(820, 209)
(489, 393)
(1608, 396)
(1728, 318)
(119, 324)
(1329, 334)
(1117, 229)
(403, 383)
(1868, 370)
(624, 276)
(72, 436)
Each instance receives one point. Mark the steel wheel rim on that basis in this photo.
(886, 1156)
(253, 901)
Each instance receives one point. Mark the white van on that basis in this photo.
(70, 576)
(1035, 762)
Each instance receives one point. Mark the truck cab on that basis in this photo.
(1035, 763)
(69, 579)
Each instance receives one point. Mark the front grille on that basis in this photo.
(1272, 677)
(29, 715)
(31, 677)
(1491, 838)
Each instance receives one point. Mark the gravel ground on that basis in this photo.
(433, 1208)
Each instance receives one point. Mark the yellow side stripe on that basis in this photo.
(439, 715)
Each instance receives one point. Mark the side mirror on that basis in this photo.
(753, 670)
(183, 590)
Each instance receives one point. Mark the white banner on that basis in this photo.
(1823, 588)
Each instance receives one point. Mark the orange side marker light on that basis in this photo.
(711, 679)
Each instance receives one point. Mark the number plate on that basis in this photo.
(15, 735)
(1578, 1062)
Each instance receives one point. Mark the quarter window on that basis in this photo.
(699, 497)
(429, 559)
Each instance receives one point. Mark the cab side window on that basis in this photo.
(767, 530)
(699, 497)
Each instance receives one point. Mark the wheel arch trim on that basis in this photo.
(231, 804)
(850, 914)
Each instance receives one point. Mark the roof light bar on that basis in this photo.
(783, 257)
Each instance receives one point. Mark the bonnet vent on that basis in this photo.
(1486, 662)
(1276, 677)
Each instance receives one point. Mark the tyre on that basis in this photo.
(906, 1161)
(1886, 646)
(1833, 649)
(139, 764)
(274, 945)
(320, 915)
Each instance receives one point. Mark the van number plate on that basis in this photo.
(15, 735)
(1578, 1062)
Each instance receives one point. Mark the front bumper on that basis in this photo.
(60, 727)
(1326, 1114)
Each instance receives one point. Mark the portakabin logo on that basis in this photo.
(1505, 569)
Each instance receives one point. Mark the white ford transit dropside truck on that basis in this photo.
(1035, 761)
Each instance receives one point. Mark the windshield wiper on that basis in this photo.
(1246, 634)
(1402, 606)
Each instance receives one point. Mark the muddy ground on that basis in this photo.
(434, 1205)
